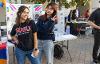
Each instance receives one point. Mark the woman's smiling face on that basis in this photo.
(49, 10)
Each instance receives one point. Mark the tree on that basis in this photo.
(63, 2)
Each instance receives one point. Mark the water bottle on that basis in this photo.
(67, 30)
(32, 55)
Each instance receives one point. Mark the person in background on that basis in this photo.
(24, 34)
(86, 14)
(94, 21)
(45, 33)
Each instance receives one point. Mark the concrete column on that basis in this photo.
(90, 6)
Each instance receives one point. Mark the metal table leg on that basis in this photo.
(14, 55)
(67, 47)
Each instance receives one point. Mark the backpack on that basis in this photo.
(58, 51)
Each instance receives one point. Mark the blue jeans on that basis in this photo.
(21, 56)
(46, 47)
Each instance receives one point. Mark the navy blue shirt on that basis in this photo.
(45, 28)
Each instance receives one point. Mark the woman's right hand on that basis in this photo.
(36, 52)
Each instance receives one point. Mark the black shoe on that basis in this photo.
(95, 61)
(98, 61)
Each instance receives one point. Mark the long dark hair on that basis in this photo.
(53, 5)
(20, 11)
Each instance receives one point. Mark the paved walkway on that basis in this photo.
(80, 50)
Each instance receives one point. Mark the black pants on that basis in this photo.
(96, 46)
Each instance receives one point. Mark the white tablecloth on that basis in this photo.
(79, 22)
(65, 37)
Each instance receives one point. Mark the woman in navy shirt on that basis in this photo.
(45, 27)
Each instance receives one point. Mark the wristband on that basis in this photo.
(35, 49)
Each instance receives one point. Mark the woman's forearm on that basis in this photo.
(35, 40)
(93, 25)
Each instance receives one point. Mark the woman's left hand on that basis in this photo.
(36, 52)
(54, 18)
